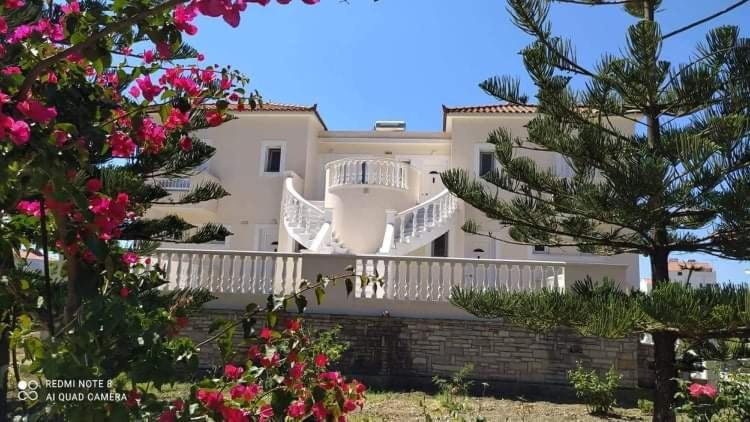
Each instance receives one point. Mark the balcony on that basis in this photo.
(413, 286)
(177, 187)
(376, 172)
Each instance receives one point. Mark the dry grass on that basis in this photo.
(406, 407)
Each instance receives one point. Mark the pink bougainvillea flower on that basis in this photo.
(124, 292)
(349, 406)
(245, 392)
(178, 404)
(319, 411)
(168, 416)
(11, 70)
(32, 208)
(321, 360)
(148, 56)
(61, 137)
(265, 333)
(296, 409)
(311, 2)
(182, 18)
(214, 118)
(14, 4)
(134, 91)
(34, 110)
(177, 119)
(293, 325)
(233, 372)
(225, 83)
(133, 397)
(297, 370)
(164, 49)
(698, 390)
(21, 32)
(148, 89)
(265, 413)
(186, 144)
(232, 414)
(273, 361)
(152, 135)
(72, 8)
(89, 256)
(253, 353)
(4, 98)
(129, 258)
(211, 399)
(19, 132)
(201, 57)
(93, 185)
(3, 25)
(122, 145)
(51, 78)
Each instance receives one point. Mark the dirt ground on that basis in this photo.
(406, 407)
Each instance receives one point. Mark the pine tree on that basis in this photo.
(681, 183)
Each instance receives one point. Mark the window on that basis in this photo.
(440, 246)
(539, 249)
(273, 160)
(486, 162)
(273, 157)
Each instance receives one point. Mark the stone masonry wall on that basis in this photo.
(406, 352)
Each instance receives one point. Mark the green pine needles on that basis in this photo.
(679, 182)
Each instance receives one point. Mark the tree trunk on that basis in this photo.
(4, 370)
(73, 297)
(6, 264)
(666, 372)
(664, 348)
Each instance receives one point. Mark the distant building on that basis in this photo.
(692, 271)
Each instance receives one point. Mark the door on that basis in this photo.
(266, 237)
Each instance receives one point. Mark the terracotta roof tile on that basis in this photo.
(278, 107)
(492, 108)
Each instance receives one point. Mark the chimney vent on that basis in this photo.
(390, 126)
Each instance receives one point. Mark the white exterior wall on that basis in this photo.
(359, 217)
(696, 278)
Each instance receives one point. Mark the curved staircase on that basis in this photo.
(415, 227)
(311, 224)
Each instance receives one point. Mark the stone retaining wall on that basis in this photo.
(407, 352)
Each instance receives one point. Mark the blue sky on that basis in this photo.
(363, 61)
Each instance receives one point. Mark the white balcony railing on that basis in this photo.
(421, 279)
(179, 184)
(221, 271)
(415, 227)
(368, 171)
(303, 220)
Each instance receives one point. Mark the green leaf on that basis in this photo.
(301, 302)
(349, 286)
(320, 293)
(271, 319)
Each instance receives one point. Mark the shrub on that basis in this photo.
(728, 401)
(452, 398)
(646, 406)
(597, 393)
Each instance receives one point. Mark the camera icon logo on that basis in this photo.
(27, 390)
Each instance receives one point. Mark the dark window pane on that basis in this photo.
(440, 246)
(486, 162)
(540, 248)
(273, 160)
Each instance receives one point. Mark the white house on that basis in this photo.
(297, 186)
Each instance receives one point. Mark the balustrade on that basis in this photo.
(368, 171)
